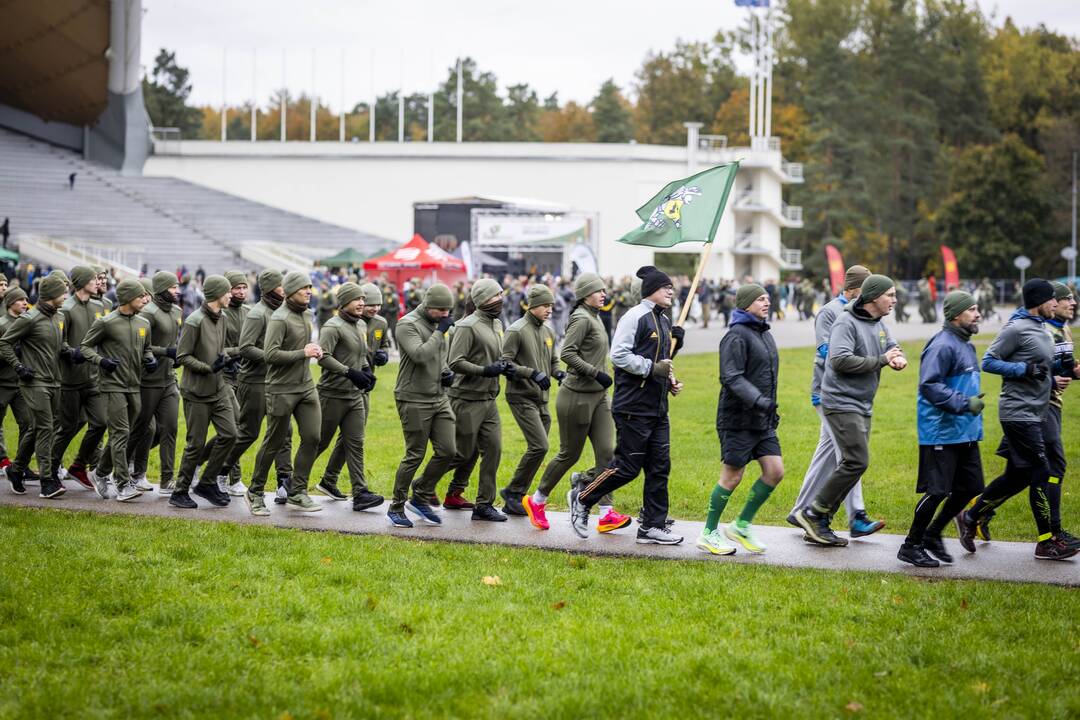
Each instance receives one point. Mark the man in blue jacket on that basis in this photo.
(1022, 354)
(950, 429)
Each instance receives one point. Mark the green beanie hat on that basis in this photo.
(163, 280)
(855, 276)
(236, 277)
(128, 290)
(61, 275)
(484, 290)
(215, 287)
(540, 295)
(1061, 290)
(957, 302)
(874, 287)
(148, 285)
(81, 276)
(586, 284)
(747, 294)
(295, 281)
(99, 269)
(51, 288)
(13, 296)
(347, 292)
(439, 297)
(372, 295)
(270, 280)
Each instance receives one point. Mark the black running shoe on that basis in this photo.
(914, 554)
(366, 501)
(210, 493)
(982, 528)
(512, 503)
(817, 527)
(17, 479)
(965, 529)
(488, 513)
(330, 490)
(792, 521)
(1069, 539)
(51, 488)
(1053, 549)
(181, 499)
(936, 547)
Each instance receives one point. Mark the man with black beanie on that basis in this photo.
(950, 428)
(1064, 370)
(641, 351)
(859, 347)
(1022, 354)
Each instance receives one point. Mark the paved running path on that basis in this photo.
(1009, 561)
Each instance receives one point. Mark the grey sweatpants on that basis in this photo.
(822, 465)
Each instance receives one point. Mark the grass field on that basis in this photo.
(124, 617)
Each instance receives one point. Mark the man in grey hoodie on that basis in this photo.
(859, 347)
(1022, 354)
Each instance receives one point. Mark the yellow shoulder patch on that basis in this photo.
(549, 342)
(378, 334)
(142, 332)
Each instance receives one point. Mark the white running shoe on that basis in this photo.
(223, 484)
(166, 487)
(101, 485)
(142, 484)
(238, 489)
(127, 492)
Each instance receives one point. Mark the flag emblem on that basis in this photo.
(671, 207)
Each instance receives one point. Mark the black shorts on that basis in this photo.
(950, 468)
(1022, 445)
(739, 447)
(1055, 449)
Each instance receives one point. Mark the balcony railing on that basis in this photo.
(793, 170)
(790, 258)
(712, 142)
(791, 213)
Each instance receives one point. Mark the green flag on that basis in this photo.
(685, 210)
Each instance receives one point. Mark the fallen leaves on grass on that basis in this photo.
(327, 560)
(577, 562)
(559, 605)
(963, 603)
(981, 687)
(371, 602)
(853, 707)
(491, 580)
(255, 642)
(406, 628)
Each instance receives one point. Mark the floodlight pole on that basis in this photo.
(284, 92)
(341, 119)
(374, 98)
(460, 98)
(1072, 261)
(224, 74)
(254, 94)
(313, 95)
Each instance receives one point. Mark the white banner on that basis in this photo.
(499, 229)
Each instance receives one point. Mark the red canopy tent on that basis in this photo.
(418, 258)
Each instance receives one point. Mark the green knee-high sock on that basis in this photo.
(759, 493)
(717, 502)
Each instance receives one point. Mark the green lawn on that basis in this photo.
(125, 617)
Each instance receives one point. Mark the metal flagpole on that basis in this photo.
(460, 98)
(371, 110)
(401, 100)
(314, 99)
(1072, 261)
(254, 95)
(753, 76)
(768, 72)
(284, 93)
(341, 125)
(224, 74)
(431, 99)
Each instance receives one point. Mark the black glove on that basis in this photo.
(661, 369)
(24, 373)
(77, 357)
(604, 379)
(233, 365)
(445, 324)
(109, 365)
(447, 378)
(380, 358)
(541, 379)
(359, 378)
(371, 378)
(678, 334)
(559, 376)
(495, 369)
(1036, 371)
(976, 404)
(170, 352)
(220, 363)
(150, 364)
(65, 354)
(765, 404)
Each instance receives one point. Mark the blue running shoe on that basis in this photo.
(425, 511)
(398, 519)
(862, 525)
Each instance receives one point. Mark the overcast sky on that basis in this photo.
(558, 45)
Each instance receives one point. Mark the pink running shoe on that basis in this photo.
(612, 521)
(536, 514)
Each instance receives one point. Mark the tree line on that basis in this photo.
(919, 123)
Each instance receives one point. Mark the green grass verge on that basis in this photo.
(118, 617)
(889, 485)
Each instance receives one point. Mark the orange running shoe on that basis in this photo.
(613, 521)
(536, 513)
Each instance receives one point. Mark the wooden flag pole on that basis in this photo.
(705, 253)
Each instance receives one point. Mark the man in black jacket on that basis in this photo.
(641, 352)
(746, 420)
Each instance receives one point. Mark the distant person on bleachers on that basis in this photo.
(5, 231)
(190, 295)
(200, 276)
(71, 181)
